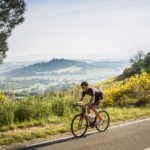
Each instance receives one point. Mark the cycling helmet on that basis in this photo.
(84, 83)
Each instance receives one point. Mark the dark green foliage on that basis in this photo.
(146, 63)
(58, 108)
(137, 58)
(6, 113)
(22, 113)
(128, 72)
(140, 63)
(11, 14)
(29, 109)
(3, 45)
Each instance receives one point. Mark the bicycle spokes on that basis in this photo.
(79, 125)
(103, 124)
(80, 121)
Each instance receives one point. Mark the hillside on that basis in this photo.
(49, 68)
(139, 63)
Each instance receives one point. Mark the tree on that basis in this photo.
(11, 14)
(137, 58)
(140, 63)
(3, 46)
(146, 63)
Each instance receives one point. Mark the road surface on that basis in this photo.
(129, 137)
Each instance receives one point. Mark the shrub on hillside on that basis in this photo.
(3, 98)
(128, 72)
(140, 62)
(134, 91)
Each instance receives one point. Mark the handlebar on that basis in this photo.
(79, 105)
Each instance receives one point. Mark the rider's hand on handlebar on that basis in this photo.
(80, 102)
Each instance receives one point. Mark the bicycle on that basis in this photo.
(81, 122)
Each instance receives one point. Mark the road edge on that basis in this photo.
(60, 140)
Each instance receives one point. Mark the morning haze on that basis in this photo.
(84, 29)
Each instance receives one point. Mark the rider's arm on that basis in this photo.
(92, 99)
(81, 99)
(82, 96)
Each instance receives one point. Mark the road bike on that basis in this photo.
(82, 121)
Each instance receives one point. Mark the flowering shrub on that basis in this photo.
(133, 91)
(3, 98)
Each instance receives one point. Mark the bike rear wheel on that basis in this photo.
(103, 127)
(79, 125)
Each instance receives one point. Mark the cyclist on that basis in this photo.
(96, 96)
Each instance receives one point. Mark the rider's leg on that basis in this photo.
(96, 112)
(88, 110)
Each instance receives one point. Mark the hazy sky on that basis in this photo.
(82, 29)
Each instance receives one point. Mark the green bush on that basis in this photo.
(140, 63)
(29, 109)
(6, 114)
(58, 108)
(42, 107)
(128, 72)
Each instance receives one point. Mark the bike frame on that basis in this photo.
(83, 113)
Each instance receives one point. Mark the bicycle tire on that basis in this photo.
(108, 121)
(72, 125)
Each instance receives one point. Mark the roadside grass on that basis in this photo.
(127, 113)
(28, 134)
(29, 131)
(41, 122)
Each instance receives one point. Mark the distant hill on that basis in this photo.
(49, 68)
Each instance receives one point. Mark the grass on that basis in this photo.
(42, 122)
(109, 82)
(62, 126)
(127, 113)
(28, 134)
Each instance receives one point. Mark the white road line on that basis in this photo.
(88, 133)
(121, 125)
(147, 149)
(129, 123)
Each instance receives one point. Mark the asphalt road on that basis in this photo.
(130, 137)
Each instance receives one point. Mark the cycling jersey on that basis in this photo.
(93, 92)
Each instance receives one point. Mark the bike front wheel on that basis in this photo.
(79, 125)
(105, 124)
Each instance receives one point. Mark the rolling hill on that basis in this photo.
(55, 66)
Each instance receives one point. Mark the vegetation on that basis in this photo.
(63, 125)
(134, 91)
(11, 14)
(52, 112)
(34, 109)
(140, 63)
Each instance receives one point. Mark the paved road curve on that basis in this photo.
(130, 137)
